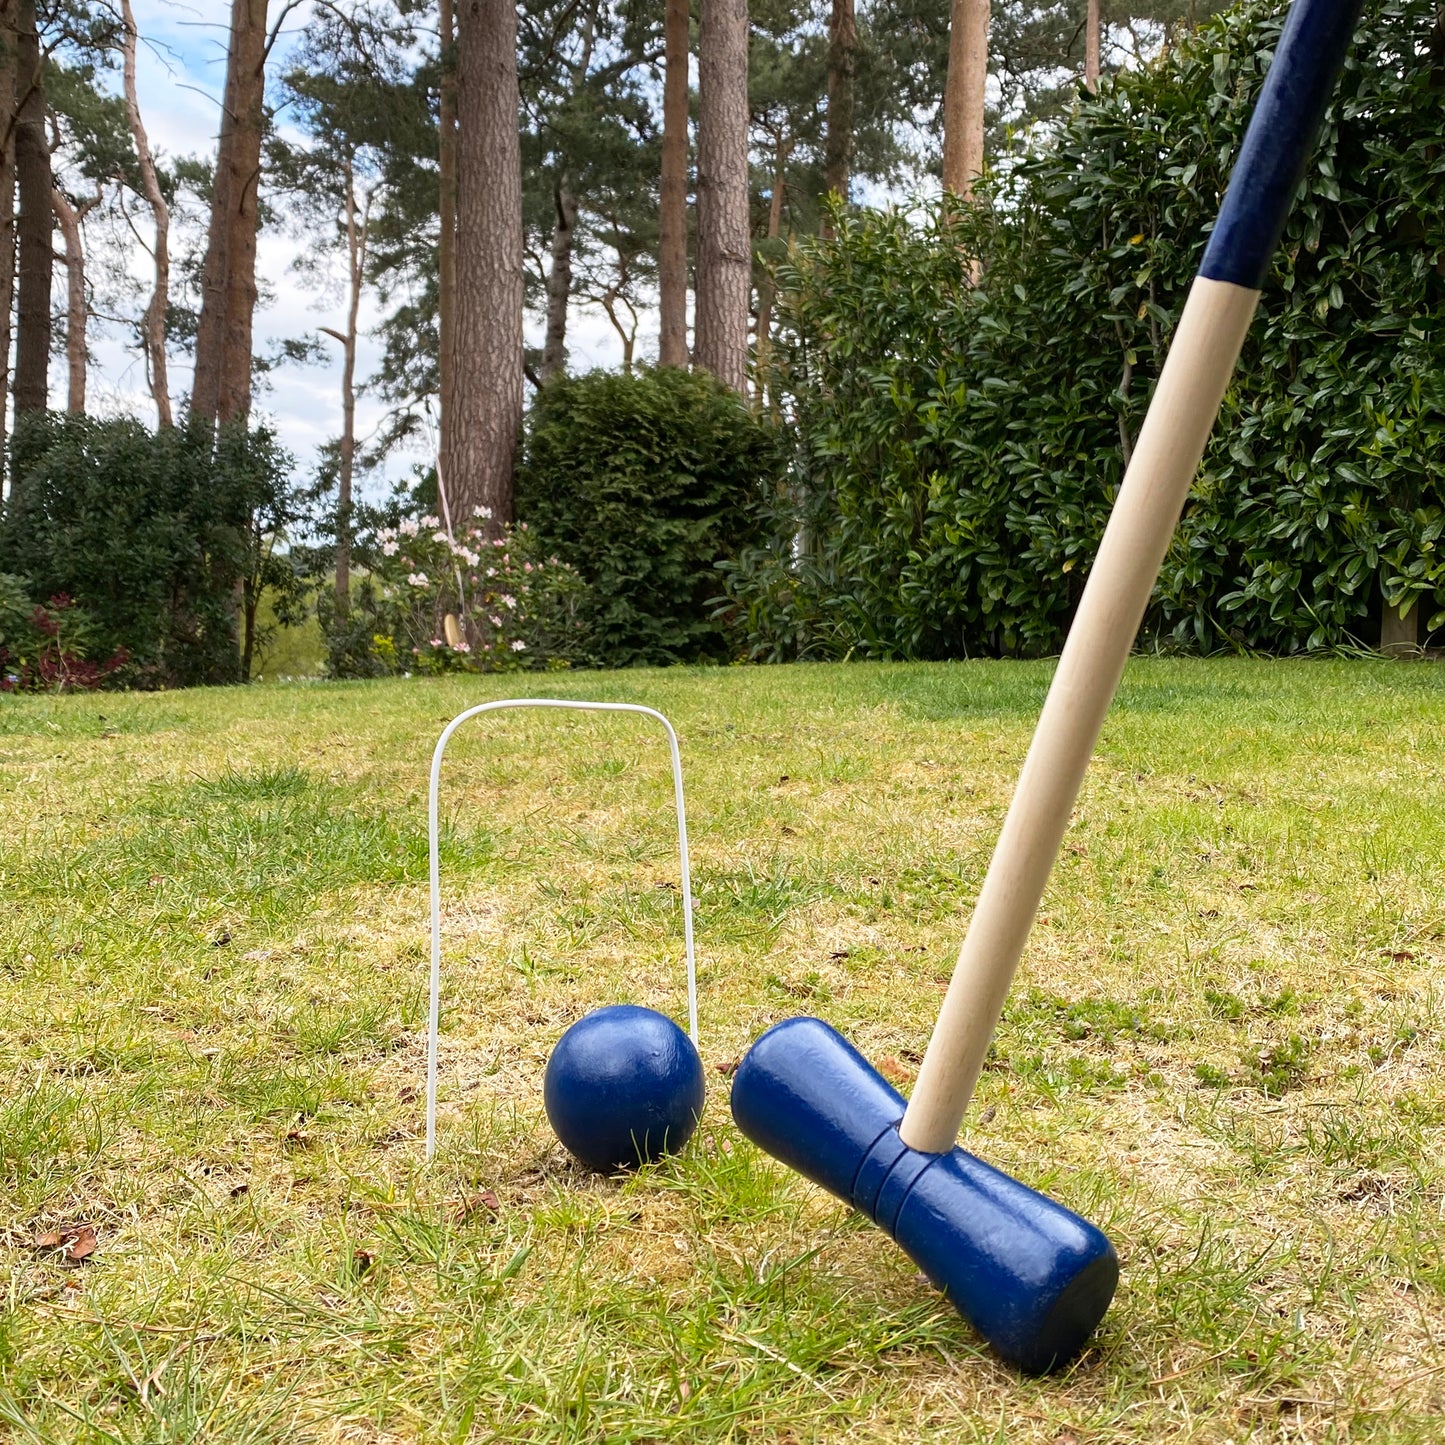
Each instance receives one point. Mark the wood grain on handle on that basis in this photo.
(1281, 132)
(1171, 443)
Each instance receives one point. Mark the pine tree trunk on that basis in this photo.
(559, 279)
(222, 388)
(76, 310)
(724, 246)
(248, 599)
(564, 227)
(672, 214)
(488, 345)
(447, 250)
(783, 148)
(36, 223)
(358, 222)
(153, 322)
(7, 208)
(842, 52)
(963, 95)
(1091, 46)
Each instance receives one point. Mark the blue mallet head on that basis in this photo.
(624, 1086)
(1029, 1275)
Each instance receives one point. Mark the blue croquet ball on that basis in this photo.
(624, 1086)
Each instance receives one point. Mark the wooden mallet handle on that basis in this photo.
(1211, 330)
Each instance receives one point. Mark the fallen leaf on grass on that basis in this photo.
(895, 1070)
(475, 1203)
(70, 1244)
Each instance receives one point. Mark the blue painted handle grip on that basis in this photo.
(1279, 140)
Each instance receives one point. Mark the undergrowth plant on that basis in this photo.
(510, 606)
(49, 647)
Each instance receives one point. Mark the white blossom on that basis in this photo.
(418, 579)
(518, 645)
(389, 549)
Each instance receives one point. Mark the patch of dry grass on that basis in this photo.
(1225, 1046)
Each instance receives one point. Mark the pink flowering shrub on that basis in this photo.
(509, 608)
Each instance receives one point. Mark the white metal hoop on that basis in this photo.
(433, 830)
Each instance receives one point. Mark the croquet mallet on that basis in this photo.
(1031, 1276)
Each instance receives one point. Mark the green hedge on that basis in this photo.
(152, 534)
(958, 445)
(644, 483)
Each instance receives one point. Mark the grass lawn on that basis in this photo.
(1225, 1046)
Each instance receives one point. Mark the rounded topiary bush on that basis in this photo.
(645, 483)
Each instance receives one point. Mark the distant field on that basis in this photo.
(1225, 1046)
(287, 652)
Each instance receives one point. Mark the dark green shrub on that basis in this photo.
(164, 539)
(644, 484)
(16, 610)
(958, 445)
